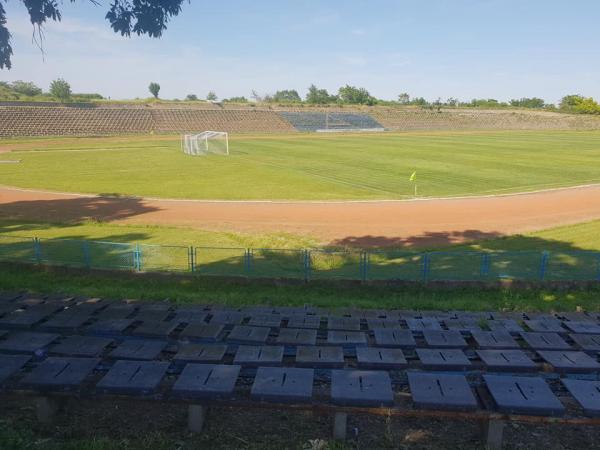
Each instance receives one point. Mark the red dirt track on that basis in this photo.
(392, 223)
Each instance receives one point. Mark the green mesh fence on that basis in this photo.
(463, 266)
(164, 258)
(62, 252)
(572, 266)
(306, 264)
(326, 264)
(274, 263)
(18, 249)
(220, 261)
(514, 265)
(394, 265)
(111, 255)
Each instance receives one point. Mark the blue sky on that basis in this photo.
(432, 48)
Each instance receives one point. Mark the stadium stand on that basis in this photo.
(56, 121)
(408, 362)
(179, 120)
(76, 121)
(318, 121)
(91, 119)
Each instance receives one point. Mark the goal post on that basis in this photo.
(216, 142)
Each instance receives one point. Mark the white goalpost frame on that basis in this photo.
(200, 143)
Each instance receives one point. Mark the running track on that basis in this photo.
(419, 222)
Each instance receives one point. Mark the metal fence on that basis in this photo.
(313, 264)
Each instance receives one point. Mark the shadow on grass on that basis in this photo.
(388, 259)
(73, 211)
(499, 258)
(427, 240)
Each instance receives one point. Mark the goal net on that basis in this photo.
(205, 143)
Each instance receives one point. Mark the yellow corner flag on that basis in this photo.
(413, 177)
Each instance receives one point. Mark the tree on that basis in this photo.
(404, 98)
(318, 96)
(290, 95)
(25, 88)
(154, 89)
(236, 100)
(191, 97)
(256, 96)
(142, 17)
(355, 96)
(526, 102)
(486, 103)
(60, 89)
(579, 104)
(211, 96)
(419, 101)
(569, 102)
(451, 101)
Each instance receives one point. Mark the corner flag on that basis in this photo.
(413, 179)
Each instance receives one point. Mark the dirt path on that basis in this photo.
(420, 222)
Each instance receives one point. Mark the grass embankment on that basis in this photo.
(207, 290)
(309, 167)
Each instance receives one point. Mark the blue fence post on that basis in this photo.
(248, 261)
(425, 268)
(544, 264)
(137, 258)
(87, 260)
(364, 258)
(306, 265)
(37, 250)
(191, 262)
(485, 265)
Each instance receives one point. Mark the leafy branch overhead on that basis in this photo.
(142, 17)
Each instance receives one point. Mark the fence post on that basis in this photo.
(364, 258)
(544, 264)
(87, 260)
(248, 261)
(37, 250)
(191, 261)
(485, 265)
(137, 258)
(425, 268)
(306, 266)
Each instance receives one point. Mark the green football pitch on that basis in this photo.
(308, 167)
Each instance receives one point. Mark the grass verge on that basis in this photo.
(189, 290)
(581, 236)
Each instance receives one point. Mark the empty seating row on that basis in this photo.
(57, 121)
(315, 121)
(440, 391)
(304, 354)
